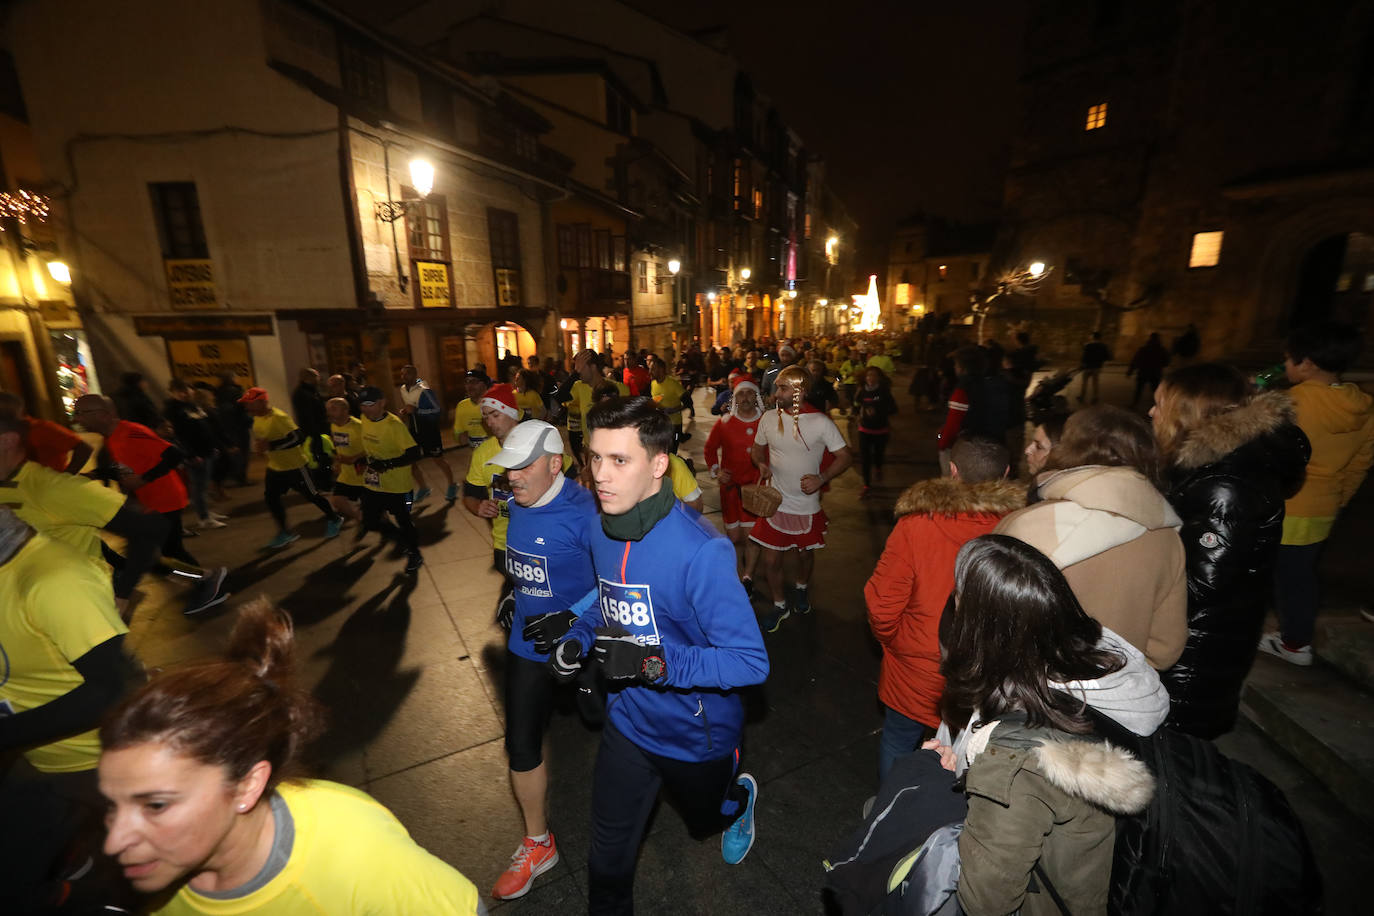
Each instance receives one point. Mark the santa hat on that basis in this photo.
(742, 378)
(502, 398)
(744, 383)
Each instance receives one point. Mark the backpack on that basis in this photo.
(1218, 838)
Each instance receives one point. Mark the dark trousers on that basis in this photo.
(277, 483)
(872, 448)
(625, 785)
(53, 809)
(529, 703)
(172, 546)
(146, 534)
(1297, 591)
(376, 506)
(1146, 382)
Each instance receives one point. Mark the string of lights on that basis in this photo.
(24, 206)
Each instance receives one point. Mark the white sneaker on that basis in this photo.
(211, 522)
(218, 516)
(1273, 644)
(1367, 613)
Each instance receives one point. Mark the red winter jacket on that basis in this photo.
(911, 584)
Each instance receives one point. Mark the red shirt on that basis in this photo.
(139, 448)
(50, 443)
(638, 379)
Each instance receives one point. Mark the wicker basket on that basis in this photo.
(759, 499)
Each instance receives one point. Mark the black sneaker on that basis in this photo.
(748, 583)
(208, 592)
(414, 562)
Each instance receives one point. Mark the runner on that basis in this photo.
(668, 394)
(275, 435)
(727, 455)
(423, 416)
(388, 452)
(675, 632)
(64, 668)
(144, 466)
(467, 416)
(873, 405)
(791, 441)
(346, 432)
(486, 489)
(50, 444)
(548, 556)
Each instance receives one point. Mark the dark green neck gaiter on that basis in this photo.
(648, 512)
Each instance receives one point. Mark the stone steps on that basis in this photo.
(1324, 715)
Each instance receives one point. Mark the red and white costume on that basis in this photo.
(796, 447)
(727, 447)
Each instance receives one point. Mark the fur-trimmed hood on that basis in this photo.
(1092, 769)
(1225, 433)
(946, 496)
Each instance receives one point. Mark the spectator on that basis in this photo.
(1043, 440)
(1097, 515)
(133, 403)
(1148, 366)
(915, 574)
(1231, 457)
(1095, 356)
(1187, 344)
(968, 368)
(1339, 422)
(199, 444)
(238, 424)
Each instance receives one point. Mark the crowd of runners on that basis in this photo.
(618, 590)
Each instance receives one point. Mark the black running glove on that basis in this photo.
(565, 660)
(622, 658)
(505, 611)
(546, 630)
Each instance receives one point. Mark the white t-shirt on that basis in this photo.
(791, 458)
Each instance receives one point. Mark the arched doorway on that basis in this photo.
(1335, 283)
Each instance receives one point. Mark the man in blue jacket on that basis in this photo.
(674, 631)
(549, 562)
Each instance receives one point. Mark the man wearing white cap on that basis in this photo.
(548, 558)
(486, 489)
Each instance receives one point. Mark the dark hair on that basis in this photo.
(972, 360)
(231, 713)
(131, 379)
(979, 459)
(641, 413)
(1022, 337)
(1106, 435)
(177, 384)
(1331, 347)
(1053, 424)
(1017, 626)
(531, 380)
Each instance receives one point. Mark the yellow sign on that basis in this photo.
(434, 288)
(191, 284)
(203, 360)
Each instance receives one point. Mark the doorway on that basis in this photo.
(1335, 283)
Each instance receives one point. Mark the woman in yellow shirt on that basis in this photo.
(527, 395)
(203, 814)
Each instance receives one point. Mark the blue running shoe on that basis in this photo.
(774, 618)
(738, 838)
(802, 603)
(451, 495)
(421, 493)
(281, 540)
(335, 525)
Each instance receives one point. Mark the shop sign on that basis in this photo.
(434, 285)
(507, 287)
(203, 325)
(203, 360)
(191, 284)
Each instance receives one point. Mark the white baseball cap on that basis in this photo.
(528, 441)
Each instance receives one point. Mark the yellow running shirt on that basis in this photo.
(467, 420)
(57, 606)
(387, 438)
(493, 477)
(63, 507)
(668, 395)
(685, 486)
(348, 445)
(276, 425)
(349, 856)
(577, 408)
(531, 403)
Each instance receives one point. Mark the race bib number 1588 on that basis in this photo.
(632, 607)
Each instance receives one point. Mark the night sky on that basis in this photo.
(911, 103)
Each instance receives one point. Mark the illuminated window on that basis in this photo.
(808, 225)
(758, 203)
(1206, 249)
(1097, 116)
(903, 294)
(943, 270)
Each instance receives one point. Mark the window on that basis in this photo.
(618, 261)
(526, 146)
(1206, 249)
(567, 247)
(943, 271)
(1097, 116)
(617, 111)
(808, 227)
(503, 229)
(737, 183)
(427, 226)
(603, 249)
(176, 207)
(643, 276)
(758, 203)
(584, 246)
(363, 70)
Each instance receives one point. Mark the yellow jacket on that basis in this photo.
(1339, 421)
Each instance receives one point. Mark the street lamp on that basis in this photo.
(710, 297)
(1036, 268)
(60, 271)
(745, 273)
(674, 266)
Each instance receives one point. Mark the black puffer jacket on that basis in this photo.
(1228, 484)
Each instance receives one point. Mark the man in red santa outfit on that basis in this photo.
(727, 455)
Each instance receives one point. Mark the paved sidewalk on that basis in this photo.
(410, 670)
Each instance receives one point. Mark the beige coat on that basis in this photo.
(1116, 539)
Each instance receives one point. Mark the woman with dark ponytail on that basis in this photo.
(206, 809)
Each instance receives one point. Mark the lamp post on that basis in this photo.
(389, 210)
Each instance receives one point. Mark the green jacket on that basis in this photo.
(1047, 796)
